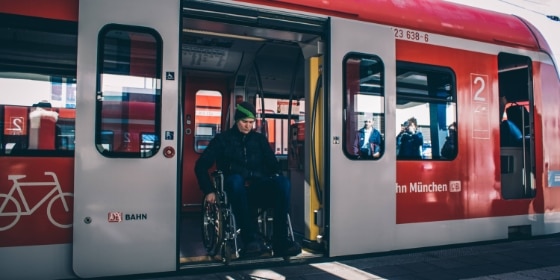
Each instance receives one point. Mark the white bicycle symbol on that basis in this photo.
(14, 210)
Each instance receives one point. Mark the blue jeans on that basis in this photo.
(267, 192)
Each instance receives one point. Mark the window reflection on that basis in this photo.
(426, 107)
(41, 116)
(129, 92)
(365, 107)
(208, 118)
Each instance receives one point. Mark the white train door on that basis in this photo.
(125, 213)
(362, 208)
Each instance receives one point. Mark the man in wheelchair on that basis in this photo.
(252, 180)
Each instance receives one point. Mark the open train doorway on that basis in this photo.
(230, 54)
(517, 152)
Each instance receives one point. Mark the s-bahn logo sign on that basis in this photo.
(117, 217)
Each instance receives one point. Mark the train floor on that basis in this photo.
(193, 254)
(529, 258)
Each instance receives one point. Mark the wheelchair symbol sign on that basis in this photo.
(170, 75)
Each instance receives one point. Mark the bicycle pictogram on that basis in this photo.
(10, 207)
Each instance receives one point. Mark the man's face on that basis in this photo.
(412, 127)
(368, 123)
(245, 125)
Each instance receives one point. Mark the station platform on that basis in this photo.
(531, 258)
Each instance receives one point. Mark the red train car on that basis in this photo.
(107, 104)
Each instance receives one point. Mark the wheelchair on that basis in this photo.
(220, 234)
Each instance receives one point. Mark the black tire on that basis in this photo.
(212, 227)
(227, 253)
(266, 224)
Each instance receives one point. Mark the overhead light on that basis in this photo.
(218, 34)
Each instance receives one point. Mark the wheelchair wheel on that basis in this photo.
(212, 227)
(266, 223)
(231, 237)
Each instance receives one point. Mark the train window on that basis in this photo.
(37, 86)
(129, 92)
(40, 117)
(426, 112)
(364, 105)
(207, 119)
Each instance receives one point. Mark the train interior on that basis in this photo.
(517, 158)
(231, 55)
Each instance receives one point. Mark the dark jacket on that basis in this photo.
(374, 142)
(248, 155)
(410, 145)
(449, 149)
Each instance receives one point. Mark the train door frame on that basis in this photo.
(246, 17)
(125, 210)
(517, 131)
(368, 197)
(192, 84)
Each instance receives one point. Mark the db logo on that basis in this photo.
(115, 217)
(454, 186)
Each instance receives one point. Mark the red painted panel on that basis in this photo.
(548, 125)
(477, 166)
(66, 113)
(439, 17)
(543, 44)
(53, 9)
(37, 222)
